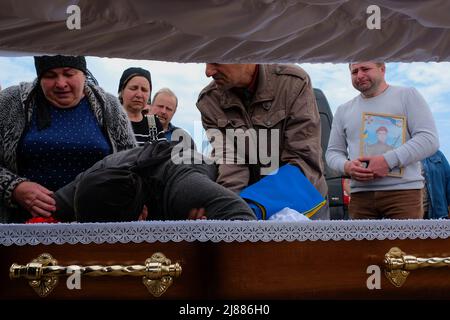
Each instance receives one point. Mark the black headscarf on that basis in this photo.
(133, 72)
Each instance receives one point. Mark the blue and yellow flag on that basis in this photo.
(288, 188)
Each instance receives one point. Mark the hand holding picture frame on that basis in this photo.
(381, 133)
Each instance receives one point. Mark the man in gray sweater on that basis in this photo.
(376, 192)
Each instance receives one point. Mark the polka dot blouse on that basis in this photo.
(72, 143)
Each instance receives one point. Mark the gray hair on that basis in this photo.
(166, 91)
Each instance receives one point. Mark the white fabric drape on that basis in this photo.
(230, 31)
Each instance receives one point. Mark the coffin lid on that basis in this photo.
(230, 31)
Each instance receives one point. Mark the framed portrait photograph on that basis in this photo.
(381, 133)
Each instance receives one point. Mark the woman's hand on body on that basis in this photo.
(36, 199)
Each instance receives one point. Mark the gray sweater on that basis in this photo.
(16, 109)
(421, 137)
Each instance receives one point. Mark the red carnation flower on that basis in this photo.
(42, 220)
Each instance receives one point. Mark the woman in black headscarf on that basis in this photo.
(50, 131)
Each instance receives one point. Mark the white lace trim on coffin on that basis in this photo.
(218, 231)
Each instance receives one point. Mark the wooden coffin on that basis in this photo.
(229, 260)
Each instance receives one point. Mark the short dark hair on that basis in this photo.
(108, 195)
(379, 64)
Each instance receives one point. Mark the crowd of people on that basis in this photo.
(73, 152)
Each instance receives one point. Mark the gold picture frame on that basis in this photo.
(380, 133)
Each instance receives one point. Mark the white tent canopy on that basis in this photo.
(230, 31)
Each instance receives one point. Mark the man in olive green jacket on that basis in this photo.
(273, 109)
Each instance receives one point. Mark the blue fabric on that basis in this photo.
(54, 156)
(170, 129)
(437, 175)
(287, 188)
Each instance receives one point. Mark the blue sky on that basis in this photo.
(187, 80)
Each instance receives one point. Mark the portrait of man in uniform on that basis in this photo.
(381, 133)
(380, 146)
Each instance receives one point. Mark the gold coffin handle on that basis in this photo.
(398, 264)
(43, 272)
